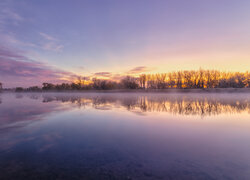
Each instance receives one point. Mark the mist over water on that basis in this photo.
(124, 136)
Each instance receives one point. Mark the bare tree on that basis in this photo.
(142, 80)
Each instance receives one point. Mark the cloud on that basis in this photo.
(51, 44)
(109, 75)
(139, 69)
(9, 39)
(17, 69)
(8, 16)
(103, 74)
(7, 53)
(48, 37)
(120, 76)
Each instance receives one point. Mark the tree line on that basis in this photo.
(195, 79)
(198, 79)
(189, 79)
(95, 84)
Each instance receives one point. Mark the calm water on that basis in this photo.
(124, 136)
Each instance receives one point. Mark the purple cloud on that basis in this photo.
(7, 53)
(18, 70)
(138, 69)
(109, 75)
(103, 74)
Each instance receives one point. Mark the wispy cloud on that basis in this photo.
(139, 69)
(119, 76)
(12, 15)
(48, 37)
(52, 43)
(6, 53)
(9, 16)
(51, 46)
(10, 39)
(16, 68)
(103, 74)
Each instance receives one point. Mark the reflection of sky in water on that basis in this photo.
(124, 136)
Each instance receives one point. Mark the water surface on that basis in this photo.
(124, 136)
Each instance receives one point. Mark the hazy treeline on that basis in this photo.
(95, 84)
(194, 79)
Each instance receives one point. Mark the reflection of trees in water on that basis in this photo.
(189, 106)
(33, 96)
(95, 102)
(176, 105)
(19, 96)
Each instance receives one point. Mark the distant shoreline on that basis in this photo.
(210, 90)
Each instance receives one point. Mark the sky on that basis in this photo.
(59, 40)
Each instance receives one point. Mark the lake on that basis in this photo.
(105, 136)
